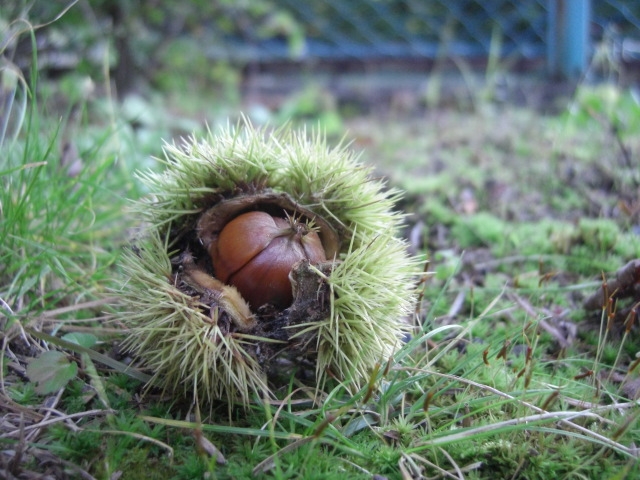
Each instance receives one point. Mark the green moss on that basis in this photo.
(420, 184)
(385, 458)
(599, 234)
(81, 446)
(481, 229)
(23, 393)
(583, 260)
(610, 352)
(435, 212)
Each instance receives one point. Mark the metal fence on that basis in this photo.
(379, 29)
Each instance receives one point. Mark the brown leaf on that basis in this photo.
(625, 284)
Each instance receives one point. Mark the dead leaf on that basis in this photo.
(625, 284)
(51, 371)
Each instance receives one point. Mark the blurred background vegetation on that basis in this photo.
(289, 59)
(154, 70)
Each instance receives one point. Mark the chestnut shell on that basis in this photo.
(267, 251)
(255, 252)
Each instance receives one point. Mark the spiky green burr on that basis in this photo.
(348, 314)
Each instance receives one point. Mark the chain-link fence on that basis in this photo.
(379, 29)
(216, 39)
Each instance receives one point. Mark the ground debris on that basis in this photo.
(626, 284)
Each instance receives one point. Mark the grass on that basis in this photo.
(507, 375)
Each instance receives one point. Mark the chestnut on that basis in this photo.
(256, 251)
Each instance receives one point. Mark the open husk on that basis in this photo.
(196, 335)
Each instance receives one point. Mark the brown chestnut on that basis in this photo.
(255, 253)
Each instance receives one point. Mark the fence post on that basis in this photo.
(568, 37)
